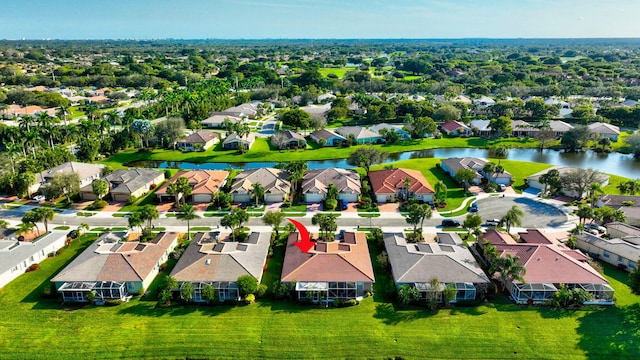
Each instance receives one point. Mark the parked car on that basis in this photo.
(473, 208)
(492, 223)
(502, 187)
(450, 223)
(38, 198)
(596, 227)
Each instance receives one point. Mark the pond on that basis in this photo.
(613, 163)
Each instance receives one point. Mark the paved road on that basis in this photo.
(537, 214)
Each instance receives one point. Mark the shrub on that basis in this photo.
(247, 284)
(330, 204)
(73, 234)
(165, 296)
(262, 289)
(351, 302)
(131, 199)
(99, 204)
(249, 299)
(112, 302)
(33, 267)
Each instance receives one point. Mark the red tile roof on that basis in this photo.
(202, 181)
(388, 181)
(453, 125)
(334, 261)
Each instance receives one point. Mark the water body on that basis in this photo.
(613, 163)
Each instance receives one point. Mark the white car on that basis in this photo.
(596, 227)
(38, 198)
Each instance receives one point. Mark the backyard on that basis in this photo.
(33, 328)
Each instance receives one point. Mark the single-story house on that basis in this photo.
(17, 256)
(337, 270)
(481, 126)
(605, 130)
(330, 137)
(564, 108)
(217, 121)
(621, 230)
(316, 182)
(388, 184)
(317, 110)
(549, 264)
(533, 181)
(623, 253)
(453, 165)
(629, 103)
(275, 182)
(360, 134)
(250, 110)
(199, 140)
(628, 204)
(293, 140)
(484, 102)
(447, 260)
(521, 128)
(114, 268)
(86, 173)
(404, 134)
(559, 127)
(125, 183)
(233, 141)
(206, 261)
(204, 184)
(455, 128)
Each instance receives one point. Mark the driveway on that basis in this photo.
(536, 214)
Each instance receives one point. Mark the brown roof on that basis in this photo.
(200, 137)
(453, 125)
(547, 262)
(346, 181)
(201, 181)
(345, 261)
(389, 180)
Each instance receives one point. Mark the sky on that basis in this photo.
(294, 19)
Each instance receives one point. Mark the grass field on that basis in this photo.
(338, 71)
(33, 328)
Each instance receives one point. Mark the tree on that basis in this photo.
(512, 217)
(575, 139)
(45, 215)
(327, 224)
(209, 293)
(634, 280)
(61, 184)
(421, 126)
(186, 291)
(634, 143)
(296, 169)
(31, 217)
(100, 188)
(447, 113)
(551, 180)
(544, 135)
(135, 220)
(149, 213)
(408, 294)
(578, 180)
(22, 183)
(274, 219)
(500, 126)
(257, 191)
(492, 170)
(630, 187)
(510, 268)
(143, 129)
(180, 189)
(593, 190)
(607, 214)
(296, 118)
(584, 212)
(472, 222)
(416, 216)
(465, 177)
(247, 284)
(187, 213)
(234, 220)
(440, 196)
(365, 157)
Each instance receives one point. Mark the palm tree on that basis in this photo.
(593, 191)
(83, 227)
(91, 111)
(274, 219)
(510, 268)
(258, 192)
(512, 217)
(24, 228)
(187, 213)
(45, 214)
(62, 113)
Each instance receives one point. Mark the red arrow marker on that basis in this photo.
(305, 243)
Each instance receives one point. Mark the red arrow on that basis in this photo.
(305, 243)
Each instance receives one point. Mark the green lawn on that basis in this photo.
(338, 71)
(34, 328)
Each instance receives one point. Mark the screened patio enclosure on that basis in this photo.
(542, 292)
(104, 290)
(331, 290)
(602, 293)
(226, 290)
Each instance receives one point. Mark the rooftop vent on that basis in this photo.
(207, 262)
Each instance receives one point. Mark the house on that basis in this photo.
(204, 184)
(317, 110)
(389, 184)
(404, 134)
(484, 102)
(360, 135)
(292, 140)
(250, 110)
(199, 140)
(520, 128)
(126, 183)
(208, 261)
(275, 182)
(455, 128)
(17, 110)
(629, 103)
(86, 173)
(316, 182)
(559, 127)
(605, 130)
(564, 108)
(462, 99)
(628, 204)
(447, 260)
(233, 141)
(549, 264)
(481, 126)
(114, 268)
(621, 230)
(453, 165)
(623, 253)
(533, 181)
(17, 256)
(217, 121)
(329, 137)
(337, 270)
